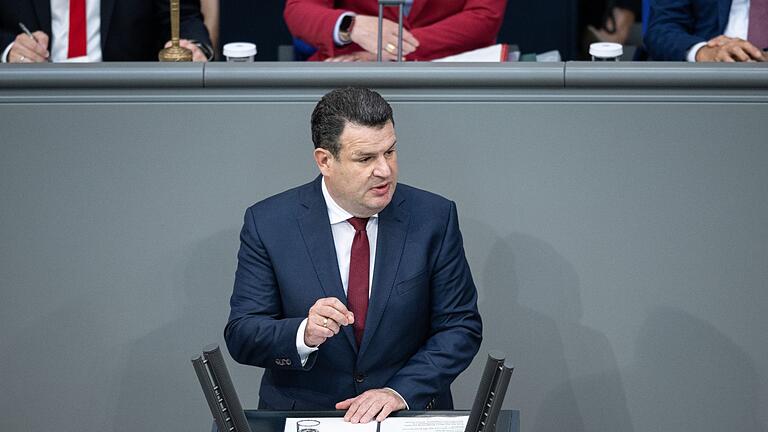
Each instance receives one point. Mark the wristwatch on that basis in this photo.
(345, 28)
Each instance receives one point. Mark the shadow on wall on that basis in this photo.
(159, 389)
(54, 367)
(690, 376)
(566, 377)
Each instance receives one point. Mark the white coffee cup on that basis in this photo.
(606, 51)
(240, 52)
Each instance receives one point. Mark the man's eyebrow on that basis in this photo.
(358, 154)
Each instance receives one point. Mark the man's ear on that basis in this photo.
(323, 160)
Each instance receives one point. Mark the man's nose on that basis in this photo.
(382, 168)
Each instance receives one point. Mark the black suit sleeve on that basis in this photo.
(6, 38)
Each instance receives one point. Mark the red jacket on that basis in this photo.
(442, 27)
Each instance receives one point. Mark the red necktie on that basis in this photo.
(77, 29)
(359, 265)
(758, 23)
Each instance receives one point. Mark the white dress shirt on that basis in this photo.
(736, 27)
(60, 32)
(343, 234)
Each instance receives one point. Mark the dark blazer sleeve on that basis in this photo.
(6, 38)
(257, 333)
(671, 29)
(11, 13)
(455, 327)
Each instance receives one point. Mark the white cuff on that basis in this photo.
(691, 55)
(336, 39)
(6, 51)
(398, 395)
(301, 347)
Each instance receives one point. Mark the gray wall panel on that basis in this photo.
(617, 240)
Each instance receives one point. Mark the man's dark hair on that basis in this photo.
(360, 106)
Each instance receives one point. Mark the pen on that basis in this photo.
(29, 33)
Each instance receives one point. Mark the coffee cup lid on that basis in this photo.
(239, 49)
(605, 49)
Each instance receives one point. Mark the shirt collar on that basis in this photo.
(336, 214)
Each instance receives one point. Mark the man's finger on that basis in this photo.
(327, 323)
(344, 404)
(332, 302)
(42, 39)
(352, 409)
(38, 43)
(752, 51)
(737, 53)
(25, 41)
(317, 329)
(332, 314)
(718, 41)
(386, 410)
(362, 407)
(338, 305)
(23, 54)
(372, 410)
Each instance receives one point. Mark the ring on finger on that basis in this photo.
(325, 322)
(22, 58)
(391, 48)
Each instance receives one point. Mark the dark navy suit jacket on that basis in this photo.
(422, 327)
(131, 30)
(675, 26)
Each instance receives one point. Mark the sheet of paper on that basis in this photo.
(326, 424)
(425, 424)
(488, 54)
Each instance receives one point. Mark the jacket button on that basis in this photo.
(359, 378)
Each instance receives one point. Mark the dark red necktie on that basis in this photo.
(359, 266)
(77, 29)
(757, 32)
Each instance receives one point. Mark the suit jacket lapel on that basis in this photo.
(43, 10)
(318, 238)
(724, 10)
(107, 6)
(393, 228)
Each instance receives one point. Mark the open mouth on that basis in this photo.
(381, 190)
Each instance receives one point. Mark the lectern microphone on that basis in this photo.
(400, 4)
(490, 394)
(219, 392)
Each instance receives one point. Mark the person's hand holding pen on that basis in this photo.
(29, 47)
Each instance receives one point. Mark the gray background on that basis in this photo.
(617, 237)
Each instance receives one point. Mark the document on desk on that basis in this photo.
(424, 424)
(326, 424)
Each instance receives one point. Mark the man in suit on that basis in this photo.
(108, 30)
(708, 30)
(348, 29)
(353, 291)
